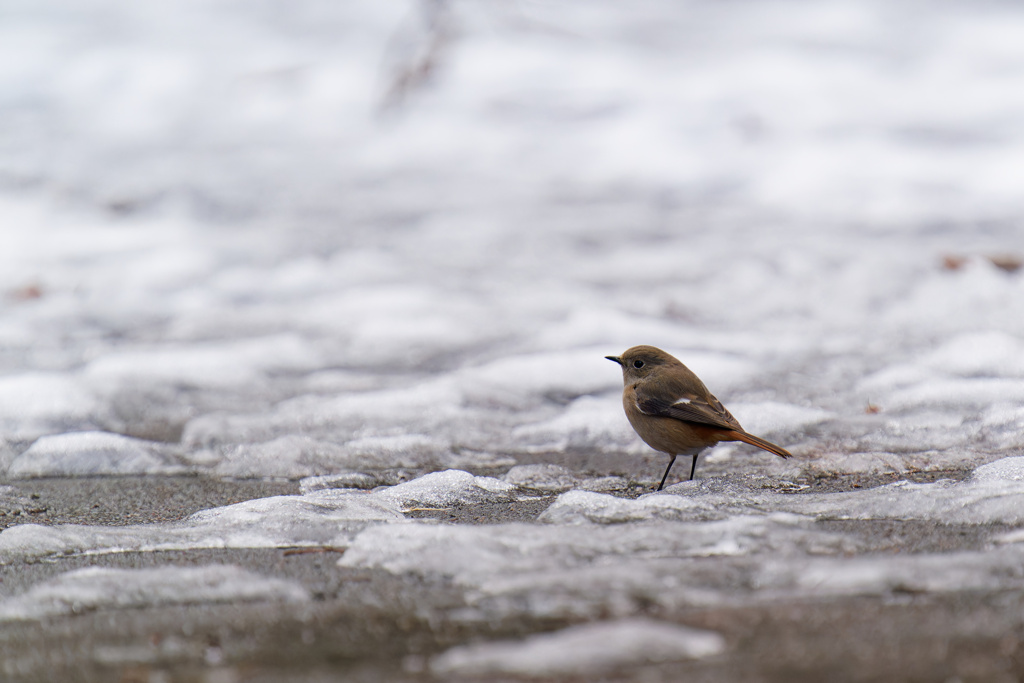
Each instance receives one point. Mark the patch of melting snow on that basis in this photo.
(331, 515)
(210, 365)
(467, 331)
(542, 477)
(475, 554)
(322, 517)
(576, 507)
(775, 417)
(588, 423)
(583, 572)
(80, 454)
(998, 569)
(594, 553)
(319, 518)
(100, 588)
(994, 493)
(447, 489)
(346, 480)
(36, 403)
(584, 650)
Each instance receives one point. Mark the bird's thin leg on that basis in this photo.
(693, 465)
(667, 470)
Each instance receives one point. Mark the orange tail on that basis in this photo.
(759, 442)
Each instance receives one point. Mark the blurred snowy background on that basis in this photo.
(360, 242)
(409, 232)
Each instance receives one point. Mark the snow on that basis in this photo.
(548, 478)
(330, 516)
(243, 253)
(583, 572)
(581, 506)
(99, 588)
(447, 489)
(342, 480)
(581, 650)
(993, 494)
(929, 573)
(34, 403)
(211, 364)
(574, 570)
(588, 422)
(316, 519)
(90, 454)
(771, 417)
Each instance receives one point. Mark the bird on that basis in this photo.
(673, 412)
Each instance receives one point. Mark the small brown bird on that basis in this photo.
(672, 410)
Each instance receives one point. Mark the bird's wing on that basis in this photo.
(690, 408)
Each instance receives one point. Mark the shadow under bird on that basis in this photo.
(672, 410)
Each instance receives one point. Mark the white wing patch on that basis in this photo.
(678, 402)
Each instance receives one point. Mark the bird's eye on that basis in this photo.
(638, 364)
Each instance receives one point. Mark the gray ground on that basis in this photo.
(371, 626)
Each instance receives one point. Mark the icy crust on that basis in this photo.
(519, 481)
(430, 549)
(586, 572)
(590, 572)
(344, 480)
(436, 427)
(278, 522)
(994, 493)
(37, 403)
(583, 650)
(482, 416)
(283, 521)
(883, 452)
(325, 517)
(999, 569)
(546, 478)
(446, 489)
(570, 570)
(575, 507)
(94, 453)
(301, 456)
(100, 588)
(593, 555)
(442, 426)
(531, 403)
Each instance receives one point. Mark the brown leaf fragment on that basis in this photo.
(1006, 262)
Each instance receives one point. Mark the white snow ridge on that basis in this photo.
(98, 588)
(93, 453)
(583, 650)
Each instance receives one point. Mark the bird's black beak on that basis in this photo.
(615, 358)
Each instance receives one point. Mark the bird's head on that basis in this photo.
(640, 361)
